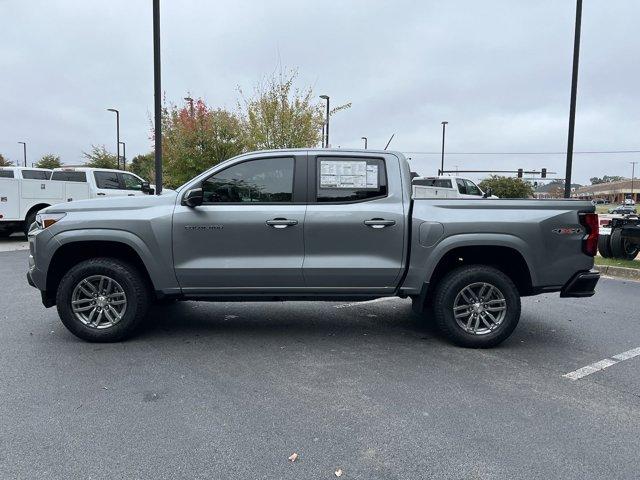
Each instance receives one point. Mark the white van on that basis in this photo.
(445, 187)
(24, 191)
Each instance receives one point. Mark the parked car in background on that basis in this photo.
(629, 201)
(26, 191)
(623, 209)
(311, 225)
(445, 187)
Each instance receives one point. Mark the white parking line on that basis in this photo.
(602, 364)
(355, 304)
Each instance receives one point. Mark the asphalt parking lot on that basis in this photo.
(231, 390)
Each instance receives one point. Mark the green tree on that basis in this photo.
(5, 162)
(507, 187)
(50, 161)
(279, 115)
(605, 179)
(144, 166)
(194, 143)
(99, 157)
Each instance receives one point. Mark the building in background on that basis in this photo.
(614, 192)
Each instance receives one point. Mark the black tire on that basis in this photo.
(31, 217)
(137, 295)
(604, 247)
(621, 248)
(507, 295)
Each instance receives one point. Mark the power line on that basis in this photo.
(607, 152)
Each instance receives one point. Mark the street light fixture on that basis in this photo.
(124, 155)
(24, 151)
(365, 142)
(326, 129)
(444, 126)
(190, 101)
(117, 133)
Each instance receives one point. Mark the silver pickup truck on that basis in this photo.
(310, 225)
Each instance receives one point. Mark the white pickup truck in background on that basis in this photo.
(445, 187)
(25, 191)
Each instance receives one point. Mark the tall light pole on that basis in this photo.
(124, 155)
(190, 101)
(24, 151)
(157, 96)
(572, 105)
(444, 126)
(633, 173)
(365, 142)
(117, 132)
(326, 128)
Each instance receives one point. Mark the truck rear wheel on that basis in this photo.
(476, 306)
(103, 300)
(621, 248)
(604, 247)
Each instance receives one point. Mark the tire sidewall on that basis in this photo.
(130, 281)
(458, 279)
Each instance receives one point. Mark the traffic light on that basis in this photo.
(519, 173)
(544, 173)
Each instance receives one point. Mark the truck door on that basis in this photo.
(108, 184)
(355, 223)
(247, 236)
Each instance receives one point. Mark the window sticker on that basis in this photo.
(348, 174)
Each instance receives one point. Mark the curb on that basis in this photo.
(620, 272)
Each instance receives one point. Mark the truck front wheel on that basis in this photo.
(476, 306)
(103, 300)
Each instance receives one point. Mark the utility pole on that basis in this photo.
(326, 130)
(117, 132)
(190, 101)
(633, 173)
(572, 105)
(124, 155)
(24, 151)
(157, 95)
(365, 142)
(444, 126)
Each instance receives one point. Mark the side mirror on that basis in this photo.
(146, 188)
(488, 193)
(193, 197)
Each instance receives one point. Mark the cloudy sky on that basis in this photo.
(498, 70)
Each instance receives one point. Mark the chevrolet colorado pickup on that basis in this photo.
(310, 225)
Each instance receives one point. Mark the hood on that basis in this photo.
(114, 203)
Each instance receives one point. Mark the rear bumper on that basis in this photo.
(582, 284)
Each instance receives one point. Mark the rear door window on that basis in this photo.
(69, 176)
(350, 179)
(107, 180)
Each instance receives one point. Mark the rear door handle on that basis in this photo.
(379, 223)
(101, 194)
(281, 223)
(130, 195)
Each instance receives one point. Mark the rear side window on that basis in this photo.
(6, 173)
(69, 176)
(108, 180)
(35, 174)
(344, 179)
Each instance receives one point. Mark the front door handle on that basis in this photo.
(101, 194)
(281, 223)
(379, 223)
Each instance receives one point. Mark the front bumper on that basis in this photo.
(582, 284)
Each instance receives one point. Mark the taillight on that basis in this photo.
(590, 242)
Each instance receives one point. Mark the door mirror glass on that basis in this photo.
(193, 197)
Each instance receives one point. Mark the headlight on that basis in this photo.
(45, 220)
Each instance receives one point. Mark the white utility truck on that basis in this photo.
(446, 187)
(25, 191)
